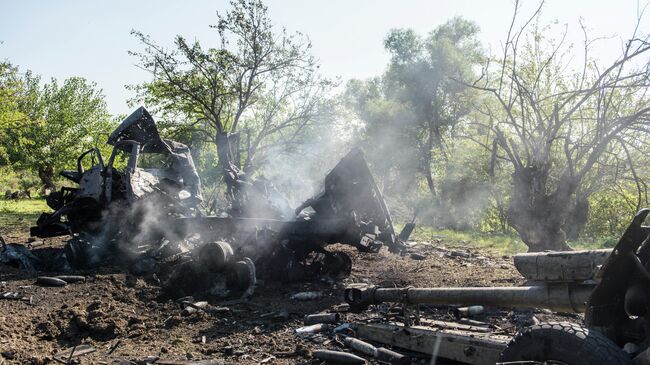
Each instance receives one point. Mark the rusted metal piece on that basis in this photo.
(199, 362)
(189, 362)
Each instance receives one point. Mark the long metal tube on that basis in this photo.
(558, 297)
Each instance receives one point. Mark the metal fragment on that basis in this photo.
(50, 281)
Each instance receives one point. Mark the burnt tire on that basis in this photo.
(564, 343)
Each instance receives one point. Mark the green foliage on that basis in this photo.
(494, 219)
(49, 124)
(10, 113)
(610, 212)
(411, 112)
(255, 80)
(13, 181)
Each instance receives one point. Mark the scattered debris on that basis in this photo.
(10, 295)
(313, 329)
(459, 254)
(362, 347)
(189, 362)
(338, 357)
(381, 354)
(281, 314)
(18, 256)
(470, 311)
(76, 351)
(114, 347)
(50, 281)
(321, 318)
(306, 295)
(193, 307)
(387, 356)
(71, 279)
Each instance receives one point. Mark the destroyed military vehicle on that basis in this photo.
(113, 184)
(610, 287)
(141, 208)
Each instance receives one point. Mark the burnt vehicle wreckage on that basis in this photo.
(141, 209)
(149, 217)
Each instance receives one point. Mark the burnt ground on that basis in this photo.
(123, 313)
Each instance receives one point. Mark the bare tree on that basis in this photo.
(560, 132)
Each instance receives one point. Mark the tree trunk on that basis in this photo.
(46, 174)
(233, 176)
(430, 183)
(427, 160)
(577, 217)
(537, 216)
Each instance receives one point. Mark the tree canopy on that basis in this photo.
(253, 79)
(47, 125)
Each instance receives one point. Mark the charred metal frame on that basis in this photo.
(350, 209)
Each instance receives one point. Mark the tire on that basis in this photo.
(564, 343)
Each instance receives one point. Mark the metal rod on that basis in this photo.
(559, 297)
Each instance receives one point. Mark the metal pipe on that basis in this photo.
(558, 297)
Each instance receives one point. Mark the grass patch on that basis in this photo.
(20, 214)
(594, 243)
(503, 244)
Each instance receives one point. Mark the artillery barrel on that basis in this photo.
(563, 297)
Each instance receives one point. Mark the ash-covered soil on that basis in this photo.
(124, 319)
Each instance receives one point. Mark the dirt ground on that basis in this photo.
(122, 317)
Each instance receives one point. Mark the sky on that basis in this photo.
(91, 38)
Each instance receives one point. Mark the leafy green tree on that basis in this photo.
(57, 123)
(428, 75)
(10, 114)
(414, 109)
(256, 80)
